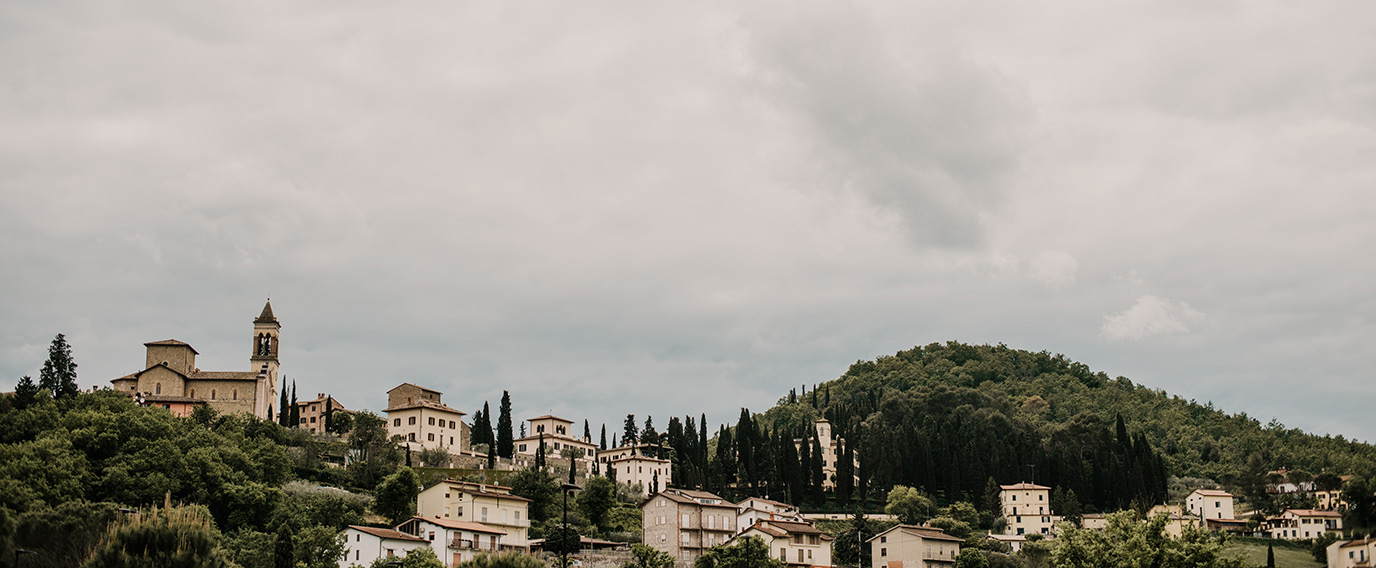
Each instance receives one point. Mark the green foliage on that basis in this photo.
(396, 495)
(59, 371)
(319, 547)
(506, 441)
(748, 552)
(643, 556)
(422, 557)
(64, 535)
(597, 499)
(1320, 547)
(1129, 542)
(171, 537)
(284, 547)
(849, 546)
(48, 471)
(972, 558)
(373, 454)
(25, 392)
(624, 519)
(249, 548)
(909, 505)
(504, 560)
(951, 526)
(560, 539)
(541, 488)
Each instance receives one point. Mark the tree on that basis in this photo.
(503, 560)
(423, 557)
(561, 539)
(1270, 556)
(321, 546)
(911, 506)
(171, 537)
(284, 412)
(643, 556)
(748, 552)
(587, 431)
(506, 442)
(534, 484)
(1130, 542)
(329, 413)
(295, 411)
(396, 495)
(597, 498)
(603, 445)
(850, 547)
(59, 371)
(630, 433)
(972, 558)
(25, 393)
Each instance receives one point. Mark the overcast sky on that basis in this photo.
(675, 208)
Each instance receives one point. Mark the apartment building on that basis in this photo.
(755, 509)
(797, 544)
(312, 412)
(1304, 524)
(908, 546)
(417, 415)
(635, 465)
(684, 523)
(455, 541)
(1027, 507)
(557, 435)
(492, 505)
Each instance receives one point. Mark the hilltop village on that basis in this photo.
(430, 485)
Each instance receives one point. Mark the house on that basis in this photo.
(755, 509)
(363, 545)
(1210, 504)
(416, 414)
(1176, 521)
(1014, 541)
(452, 540)
(170, 378)
(634, 465)
(312, 412)
(832, 449)
(1351, 553)
(1027, 507)
(492, 505)
(908, 546)
(684, 523)
(1304, 524)
(554, 432)
(794, 543)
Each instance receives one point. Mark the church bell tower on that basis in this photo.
(266, 331)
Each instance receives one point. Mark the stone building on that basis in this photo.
(684, 523)
(170, 375)
(416, 414)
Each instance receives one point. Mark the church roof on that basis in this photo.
(224, 375)
(266, 316)
(173, 342)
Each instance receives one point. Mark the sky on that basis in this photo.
(671, 209)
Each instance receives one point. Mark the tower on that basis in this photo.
(266, 331)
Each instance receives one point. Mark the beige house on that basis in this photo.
(1210, 504)
(1027, 507)
(633, 467)
(1176, 521)
(557, 436)
(1330, 500)
(684, 523)
(491, 505)
(908, 546)
(313, 411)
(455, 542)
(756, 509)
(170, 376)
(416, 414)
(1351, 553)
(1304, 524)
(795, 543)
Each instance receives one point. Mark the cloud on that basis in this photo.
(1054, 268)
(1150, 316)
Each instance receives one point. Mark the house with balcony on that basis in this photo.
(1351, 553)
(1027, 507)
(491, 505)
(684, 523)
(1303, 524)
(797, 544)
(454, 541)
(908, 546)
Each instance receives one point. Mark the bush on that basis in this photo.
(504, 560)
(173, 537)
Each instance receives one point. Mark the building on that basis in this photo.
(416, 414)
(170, 376)
(684, 523)
(555, 432)
(1175, 525)
(312, 412)
(794, 543)
(756, 509)
(1210, 504)
(633, 465)
(832, 449)
(454, 541)
(1351, 553)
(492, 505)
(364, 545)
(908, 546)
(1027, 507)
(1304, 524)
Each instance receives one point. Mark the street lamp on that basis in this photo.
(564, 536)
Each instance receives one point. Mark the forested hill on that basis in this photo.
(949, 416)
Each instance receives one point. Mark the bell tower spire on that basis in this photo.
(266, 334)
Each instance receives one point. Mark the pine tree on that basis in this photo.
(25, 393)
(506, 443)
(59, 371)
(629, 434)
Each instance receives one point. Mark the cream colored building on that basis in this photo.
(556, 433)
(1027, 507)
(1304, 524)
(1175, 525)
(908, 546)
(416, 414)
(1210, 504)
(492, 505)
(832, 448)
(683, 523)
(312, 412)
(795, 543)
(455, 542)
(756, 509)
(1351, 553)
(1330, 500)
(633, 467)
(170, 375)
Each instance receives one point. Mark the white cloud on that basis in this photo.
(1149, 316)
(1054, 268)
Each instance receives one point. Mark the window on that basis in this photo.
(431, 437)
(411, 437)
(484, 514)
(883, 539)
(883, 552)
(685, 520)
(523, 447)
(312, 420)
(432, 536)
(451, 424)
(390, 553)
(212, 394)
(432, 421)
(1041, 497)
(396, 422)
(235, 394)
(193, 393)
(157, 389)
(411, 421)
(303, 419)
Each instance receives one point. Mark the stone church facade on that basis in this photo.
(170, 376)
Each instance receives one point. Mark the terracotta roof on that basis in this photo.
(266, 316)
(1358, 542)
(173, 342)
(463, 525)
(1313, 513)
(1019, 486)
(1213, 493)
(792, 527)
(224, 375)
(763, 500)
(414, 385)
(388, 533)
(476, 489)
(691, 497)
(923, 532)
(422, 403)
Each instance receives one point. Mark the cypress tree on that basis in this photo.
(284, 413)
(604, 437)
(702, 447)
(329, 412)
(59, 371)
(282, 554)
(745, 451)
(587, 431)
(506, 443)
(540, 453)
(295, 410)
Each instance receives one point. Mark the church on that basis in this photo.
(171, 379)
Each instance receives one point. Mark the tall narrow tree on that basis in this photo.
(284, 411)
(506, 443)
(295, 410)
(603, 445)
(25, 393)
(59, 371)
(329, 412)
(745, 451)
(587, 431)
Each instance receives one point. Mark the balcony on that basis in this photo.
(468, 544)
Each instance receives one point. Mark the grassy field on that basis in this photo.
(1288, 555)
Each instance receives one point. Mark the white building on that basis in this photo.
(632, 466)
(416, 414)
(1027, 507)
(556, 433)
(1351, 553)
(491, 505)
(797, 544)
(363, 545)
(907, 546)
(1210, 504)
(1304, 524)
(756, 509)
(455, 541)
